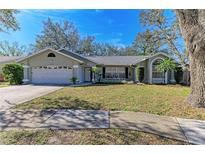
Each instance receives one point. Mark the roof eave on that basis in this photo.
(41, 51)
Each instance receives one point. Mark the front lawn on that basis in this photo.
(157, 99)
(94, 136)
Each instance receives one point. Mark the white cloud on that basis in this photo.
(52, 13)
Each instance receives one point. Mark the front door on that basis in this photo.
(141, 74)
(88, 74)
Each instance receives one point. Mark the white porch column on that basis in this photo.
(149, 72)
(93, 76)
(172, 80)
(75, 71)
(135, 74)
(26, 73)
(166, 77)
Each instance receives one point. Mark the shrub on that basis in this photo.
(13, 73)
(74, 80)
(97, 73)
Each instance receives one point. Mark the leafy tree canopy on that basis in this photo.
(57, 35)
(167, 30)
(166, 65)
(11, 49)
(147, 43)
(8, 20)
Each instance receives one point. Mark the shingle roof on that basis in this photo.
(107, 60)
(75, 55)
(100, 60)
(5, 59)
(117, 60)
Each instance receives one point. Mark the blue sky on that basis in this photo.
(114, 26)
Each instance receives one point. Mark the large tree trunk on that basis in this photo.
(192, 24)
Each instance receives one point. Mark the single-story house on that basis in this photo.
(5, 60)
(51, 66)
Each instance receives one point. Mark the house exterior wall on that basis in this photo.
(150, 61)
(42, 59)
(130, 74)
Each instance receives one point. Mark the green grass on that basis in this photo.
(166, 100)
(4, 84)
(94, 136)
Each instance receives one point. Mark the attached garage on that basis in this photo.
(52, 75)
(54, 67)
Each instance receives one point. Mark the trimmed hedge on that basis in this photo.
(13, 73)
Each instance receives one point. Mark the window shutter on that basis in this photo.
(126, 72)
(103, 73)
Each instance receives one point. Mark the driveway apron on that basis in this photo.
(13, 95)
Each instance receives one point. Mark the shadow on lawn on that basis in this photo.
(53, 119)
(68, 102)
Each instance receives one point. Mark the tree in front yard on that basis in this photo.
(165, 66)
(13, 73)
(192, 24)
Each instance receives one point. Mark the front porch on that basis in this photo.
(115, 74)
(144, 72)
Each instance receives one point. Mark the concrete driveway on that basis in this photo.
(11, 96)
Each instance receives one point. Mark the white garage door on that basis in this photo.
(46, 75)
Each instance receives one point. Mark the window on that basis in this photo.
(155, 72)
(51, 55)
(115, 72)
